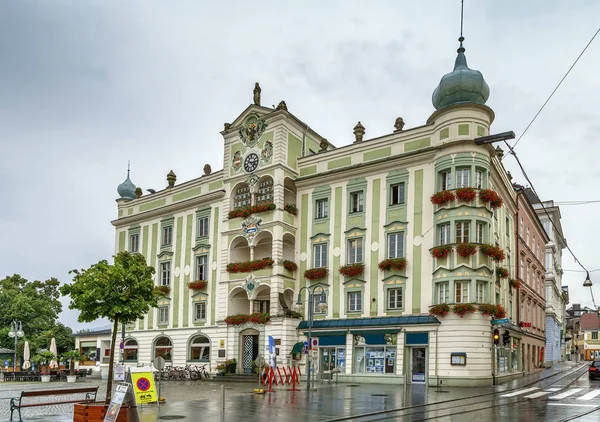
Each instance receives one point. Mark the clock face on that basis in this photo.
(251, 162)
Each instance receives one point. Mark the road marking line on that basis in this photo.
(553, 389)
(536, 395)
(568, 404)
(590, 395)
(566, 394)
(516, 393)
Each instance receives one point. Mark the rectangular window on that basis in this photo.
(527, 238)
(320, 255)
(442, 292)
(461, 292)
(521, 227)
(167, 236)
(396, 245)
(445, 180)
(462, 231)
(165, 273)
(444, 234)
(355, 251)
(354, 302)
(479, 233)
(479, 292)
(322, 208)
(202, 227)
(527, 280)
(397, 194)
(478, 179)
(522, 272)
(163, 315)
(200, 311)
(594, 335)
(507, 226)
(319, 298)
(201, 267)
(462, 178)
(356, 202)
(394, 297)
(548, 261)
(547, 227)
(134, 243)
(261, 306)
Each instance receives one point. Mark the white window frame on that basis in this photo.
(167, 235)
(165, 273)
(461, 228)
(393, 296)
(397, 193)
(443, 292)
(319, 298)
(163, 315)
(202, 267)
(320, 255)
(202, 227)
(479, 179)
(445, 234)
(445, 180)
(355, 251)
(462, 177)
(479, 292)
(461, 289)
(321, 208)
(134, 243)
(200, 306)
(357, 201)
(354, 301)
(479, 232)
(396, 245)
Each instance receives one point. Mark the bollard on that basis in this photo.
(222, 398)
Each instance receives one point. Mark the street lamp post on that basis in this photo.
(322, 307)
(16, 331)
(588, 283)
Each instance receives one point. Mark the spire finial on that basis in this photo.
(128, 163)
(461, 49)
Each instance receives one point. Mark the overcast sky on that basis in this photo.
(87, 85)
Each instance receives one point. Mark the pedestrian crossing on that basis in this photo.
(550, 393)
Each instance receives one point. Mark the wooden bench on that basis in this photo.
(16, 403)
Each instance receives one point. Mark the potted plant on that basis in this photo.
(41, 359)
(461, 309)
(442, 197)
(72, 356)
(197, 285)
(514, 283)
(249, 266)
(466, 249)
(221, 369)
(441, 309)
(397, 264)
(163, 290)
(493, 252)
(290, 265)
(466, 194)
(230, 366)
(502, 272)
(491, 197)
(441, 251)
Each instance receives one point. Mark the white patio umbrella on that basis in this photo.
(26, 356)
(53, 363)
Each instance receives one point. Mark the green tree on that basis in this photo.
(122, 292)
(61, 333)
(35, 303)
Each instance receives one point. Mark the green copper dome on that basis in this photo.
(462, 85)
(126, 190)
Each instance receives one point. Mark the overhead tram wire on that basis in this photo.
(555, 89)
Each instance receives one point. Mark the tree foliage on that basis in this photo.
(36, 304)
(122, 292)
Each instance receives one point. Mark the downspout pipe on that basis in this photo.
(304, 140)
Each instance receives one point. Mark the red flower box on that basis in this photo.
(291, 208)
(493, 252)
(239, 319)
(249, 266)
(165, 290)
(442, 197)
(495, 311)
(244, 212)
(502, 272)
(441, 251)
(491, 197)
(440, 310)
(352, 270)
(397, 264)
(290, 265)
(462, 309)
(466, 194)
(466, 249)
(514, 283)
(316, 273)
(196, 285)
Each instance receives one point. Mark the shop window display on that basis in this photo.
(375, 354)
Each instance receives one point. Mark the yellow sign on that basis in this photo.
(143, 387)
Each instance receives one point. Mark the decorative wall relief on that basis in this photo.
(267, 152)
(250, 228)
(236, 162)
(250, 285)
(252, 130)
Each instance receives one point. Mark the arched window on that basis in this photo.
(163, 347)
(130, 351)
(265, 190)
(242, 196)
(200, 349)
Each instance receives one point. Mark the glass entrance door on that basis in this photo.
(418, 364)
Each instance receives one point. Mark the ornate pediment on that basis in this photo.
(165, 255)
(201, 248)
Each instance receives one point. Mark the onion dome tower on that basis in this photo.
(126, 190)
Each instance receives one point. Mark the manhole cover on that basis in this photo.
(352, 385)
(379, 395)
(171, 417)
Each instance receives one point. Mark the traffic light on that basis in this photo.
(506, 338)
(496, 337)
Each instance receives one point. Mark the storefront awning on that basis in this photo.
(326, 333)
(375, 332)
(375, 322)
(298, 347)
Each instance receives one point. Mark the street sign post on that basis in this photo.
(159, 363)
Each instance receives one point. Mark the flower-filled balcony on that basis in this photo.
(352, 270)
(453, 255)
(247, 211)
(239, 319)
(197, 285)
(260, 267)
(466, 196)
(462, 309)
(393, 266)
(316, 273)
(162, 290)
(289, 267)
